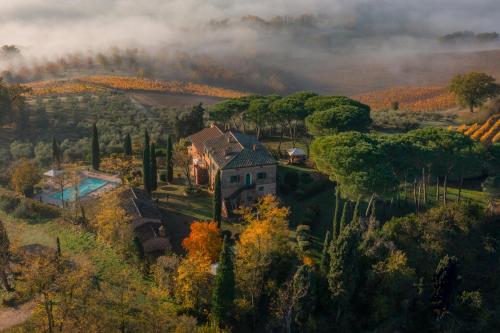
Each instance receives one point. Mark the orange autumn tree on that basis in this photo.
(204, 241)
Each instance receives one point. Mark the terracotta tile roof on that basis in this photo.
(237, 150)
(198, 139)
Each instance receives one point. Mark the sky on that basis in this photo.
(306, 30)
(52, 26)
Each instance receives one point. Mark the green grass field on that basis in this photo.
(75, 242)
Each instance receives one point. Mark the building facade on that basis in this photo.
(247, 169)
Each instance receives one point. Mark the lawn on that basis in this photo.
(75, 242)
(172, 198)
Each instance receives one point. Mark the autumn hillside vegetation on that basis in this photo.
(432, 98)
(488, 132)
(94, 84)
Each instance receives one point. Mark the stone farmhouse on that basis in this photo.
(147, 221)
(247, 169)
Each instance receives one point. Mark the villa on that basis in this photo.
(248, 170)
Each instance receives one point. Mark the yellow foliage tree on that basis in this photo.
(265, 236)
(122, 165)
(112, 224)
(192, 285)
(24, 177)
(204, 241)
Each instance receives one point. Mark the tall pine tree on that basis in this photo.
(154, 168)
(223, 292)
(127, 145)
(217, 204)
(146, 166)
(169, 162)
(95, 157)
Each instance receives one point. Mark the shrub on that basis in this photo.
(43, 153)
(23, 210)
(303, 231)
(303, 237)
(28, 190)
(20, 150)
(8, 203)
(43, 210)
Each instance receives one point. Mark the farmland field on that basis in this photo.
(98, 83)
(410, 98)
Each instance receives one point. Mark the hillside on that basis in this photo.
(94, 84)
(432, 98)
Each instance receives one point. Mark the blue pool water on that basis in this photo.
(87, 185)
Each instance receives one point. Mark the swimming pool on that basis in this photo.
(86, 186)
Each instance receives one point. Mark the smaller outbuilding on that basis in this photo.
(296, 155)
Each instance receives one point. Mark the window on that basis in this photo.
(261, 188)
(261, 175)
(235, 179)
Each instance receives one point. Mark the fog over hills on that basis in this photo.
(335, 46)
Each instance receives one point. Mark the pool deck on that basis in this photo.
(113, 182)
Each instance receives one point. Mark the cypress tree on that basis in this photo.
(95, 157)
(304, 294)
(343, 219)
(344, 274)
(223, 292)
(169, 163)
(325, 256)
(445, 284)
(146, 167)
(154, 169)
(355, 214)
(127, 145)
(336, 230)
(56, 153)
(58, 247)
(217, 204)
(4, 257)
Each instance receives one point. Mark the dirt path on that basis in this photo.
(10, 317)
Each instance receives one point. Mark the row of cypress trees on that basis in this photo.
(338, 225)
(150, 165)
